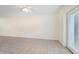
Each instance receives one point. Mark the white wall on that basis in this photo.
(40, 26)
(62, 17)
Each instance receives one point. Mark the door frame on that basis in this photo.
(67, 21)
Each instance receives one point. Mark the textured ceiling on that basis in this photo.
(14, 10)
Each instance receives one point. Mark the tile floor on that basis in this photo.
(16, 45)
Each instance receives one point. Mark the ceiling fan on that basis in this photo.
(26, 8)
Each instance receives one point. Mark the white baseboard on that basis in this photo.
(31, 37)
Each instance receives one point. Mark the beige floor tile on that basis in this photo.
(15, 45)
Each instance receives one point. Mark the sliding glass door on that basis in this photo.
(77, 32)
(73, 30)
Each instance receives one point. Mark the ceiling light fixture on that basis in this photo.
(26, 9)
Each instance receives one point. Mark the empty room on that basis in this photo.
(39, 29)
